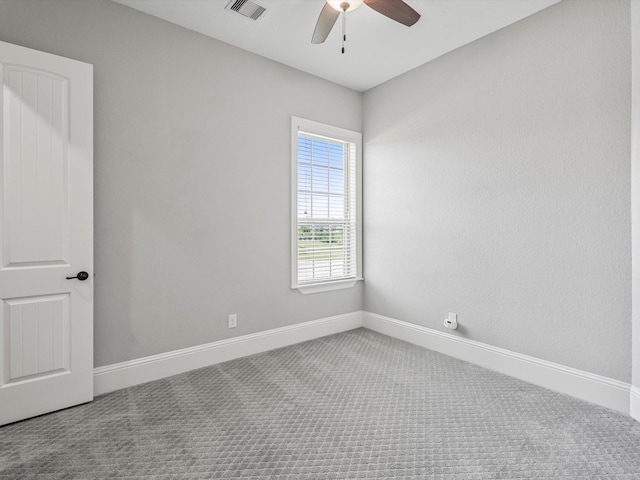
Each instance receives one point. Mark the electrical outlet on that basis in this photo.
(233, 320)
(451, 322)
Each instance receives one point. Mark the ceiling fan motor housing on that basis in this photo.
(344, 5)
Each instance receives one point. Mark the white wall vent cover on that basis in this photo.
(246, 8)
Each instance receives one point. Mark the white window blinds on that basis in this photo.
(326, 227)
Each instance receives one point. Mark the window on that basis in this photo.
(326, 226)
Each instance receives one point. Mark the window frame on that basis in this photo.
(343, 135)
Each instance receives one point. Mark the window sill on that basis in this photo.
(327, 286)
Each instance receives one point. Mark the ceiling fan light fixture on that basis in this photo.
(344, 5)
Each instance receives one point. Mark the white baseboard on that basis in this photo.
(134, 372)
(635, 403)
(593, 388)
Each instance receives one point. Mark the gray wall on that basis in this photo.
(497, 183)
(192, 175)
(497, 186)
(635, 19)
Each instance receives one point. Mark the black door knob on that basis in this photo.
(82, 276)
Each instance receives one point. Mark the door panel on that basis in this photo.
(46, 228)
(38, 334)
(36, 168)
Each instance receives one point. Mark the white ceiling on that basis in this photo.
(377, 48)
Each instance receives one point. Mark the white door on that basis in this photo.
(46, 233)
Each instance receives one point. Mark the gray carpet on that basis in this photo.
(357, 405)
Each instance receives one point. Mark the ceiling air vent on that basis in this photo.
(246, 8)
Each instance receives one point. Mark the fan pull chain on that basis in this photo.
(344, 28)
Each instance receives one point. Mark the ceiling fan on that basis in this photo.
(396, 10)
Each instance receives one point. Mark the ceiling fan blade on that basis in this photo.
(396, 10)
(326, 21)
